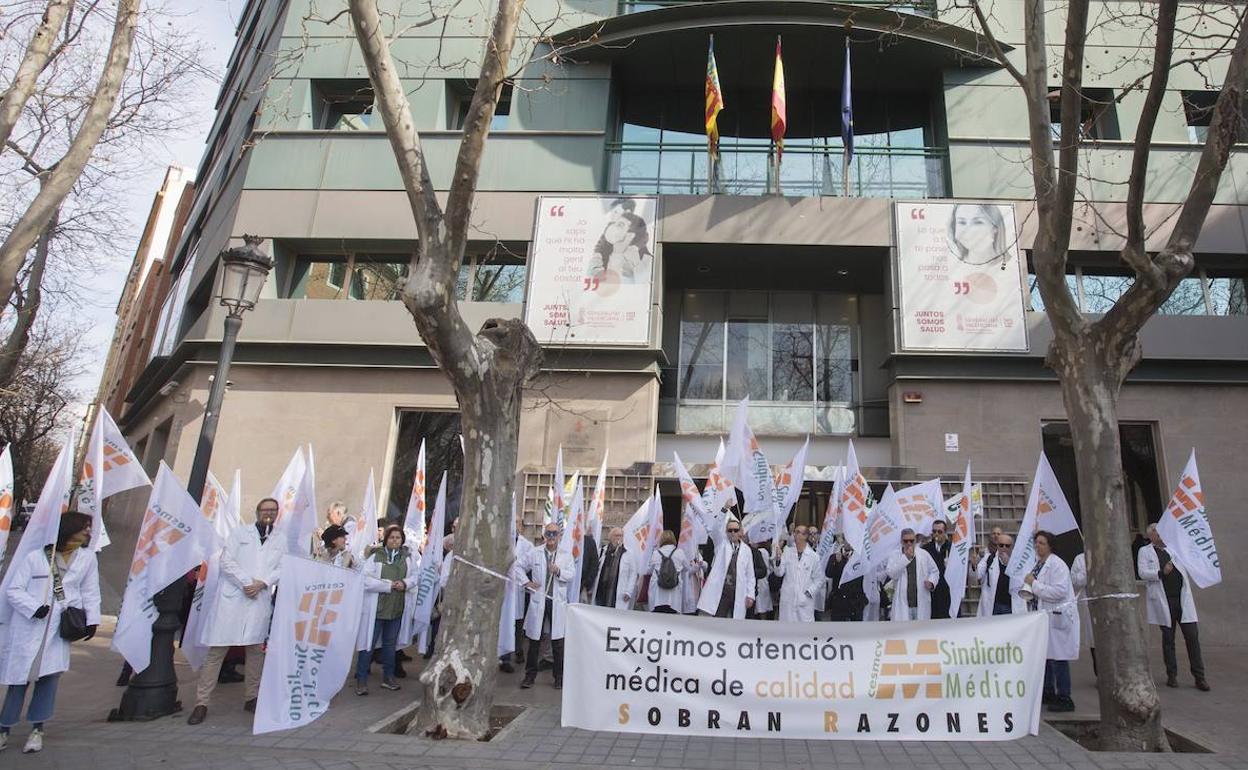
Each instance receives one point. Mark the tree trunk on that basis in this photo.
(65, 172)
(459, 682)
(15, 344)
(1130, 707)
(33, 62)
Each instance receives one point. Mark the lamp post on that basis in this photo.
(153, 692)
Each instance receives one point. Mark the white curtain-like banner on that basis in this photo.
(967, 679)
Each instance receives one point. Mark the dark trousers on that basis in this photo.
(1057, 678)
(1191, 637)
(535, 648)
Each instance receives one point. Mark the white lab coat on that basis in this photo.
(986, 576)
(373, 585)
(536, 615)
(871, 588)
(31, 588)
(691, 585)
(925, 570)
(802, 579)
(1079, 582)
(746, 585)
(1149, 566)
(673, 597)
(519, 563)
(233, 618)
(1057, 598)
(407, 627)
(762, 591)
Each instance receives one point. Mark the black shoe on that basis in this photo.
(527, 682)
(197, 715)
(1062, 705)
(1172, 680)
(506, 667)
(398, 669)
(400, 656)
(558, 684)
(1202, 685)
(1048, 699)
(250, 706)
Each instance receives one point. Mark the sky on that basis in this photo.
(215, 21)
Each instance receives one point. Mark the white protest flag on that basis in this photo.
(234, 503)
(786, 488)
(597, 505)
(6, 498)
(1186, 531)
(287, 489)
(174, 538)
(961, 538)
(881, 537)
(310, 490)
(557, 493)
(855, 502)
(45, 520)
(507, 612)
(572, 542)
(110, 467)
(217, 507)
(296, 499)
(921, 504)
(414, 520)
(831, 520)
(214, 503)
(1047, 510)
(688, 490)
(750, 472)
(311, 642)
(362, 530)
(641, 533)
(718, 489)
(429, 575)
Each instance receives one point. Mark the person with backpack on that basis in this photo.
(667, 570)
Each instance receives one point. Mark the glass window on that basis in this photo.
(702, 346)
(1188, 299)
(793, 346)
(837, 316)
(376, 278)
(1100, 292)
(342, 104)
(748, 366)
(1227, 295)
(1098, 118)
(459, 99)
(499, 277)
(1033, 287)
(321, 278)
(440, 432)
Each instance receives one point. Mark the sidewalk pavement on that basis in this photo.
(79, 736)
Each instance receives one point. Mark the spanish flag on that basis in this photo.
(714, 102)
(777, 104)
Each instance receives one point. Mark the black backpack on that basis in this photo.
(669, 578)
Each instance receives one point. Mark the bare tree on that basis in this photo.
(35, 58)
(64, 173)
(487, 370)
(1092, 358)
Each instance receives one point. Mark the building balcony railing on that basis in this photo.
(811, 169)
(918, 7)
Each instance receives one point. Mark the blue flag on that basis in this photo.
(847, 111)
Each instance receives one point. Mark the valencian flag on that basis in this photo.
(777, 104)
(714, 102)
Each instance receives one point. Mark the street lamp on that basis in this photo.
(153, 692)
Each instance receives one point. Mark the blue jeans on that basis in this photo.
(388, 632)
(41, 703)
(1057, 678)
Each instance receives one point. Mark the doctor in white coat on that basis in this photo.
(668, 600)
(1170, 603)
(799, 566)
(1079, 582)
(1050, 589)
(31, 635)
(615, 585)
(519, 577)
(912, 567)
(722, 596)
(995, 594)
(550, 571)
(243, 606)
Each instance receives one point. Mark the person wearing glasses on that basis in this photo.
(914, 575)
(730, 587)
(995, 596)
(243, 607)
(546, 619)
(799, 566)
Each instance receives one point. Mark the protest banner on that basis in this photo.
(311, 645)
(967, 680)
(1184, 527)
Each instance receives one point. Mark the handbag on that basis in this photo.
(73, 625)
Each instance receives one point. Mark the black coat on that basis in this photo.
(846, 601)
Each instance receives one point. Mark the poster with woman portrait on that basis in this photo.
(591, 270)
(960, 277)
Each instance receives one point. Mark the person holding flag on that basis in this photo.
(1048, 588)
(731, 584)
(799, 566)
(44, 586)
(387, 578)
(551, 569)
(914, 575)
(996, 597)
(242, 608)
(1170, 605)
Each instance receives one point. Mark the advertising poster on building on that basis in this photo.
(960, 276)
(591, 270)
(970, 679)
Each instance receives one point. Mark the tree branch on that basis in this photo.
(33, 62)
(15, 344)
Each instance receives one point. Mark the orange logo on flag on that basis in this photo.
(921, 670)
(157, 535)
(114, 457)
(317, 610)
(1187, 498)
